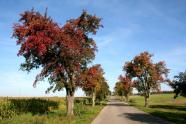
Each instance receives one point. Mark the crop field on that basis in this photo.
(45, 110)
(163, 106)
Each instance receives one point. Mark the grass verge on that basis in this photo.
(84, 114)
(163, 106)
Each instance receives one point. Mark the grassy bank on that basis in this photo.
(163, 106)
(53, 112)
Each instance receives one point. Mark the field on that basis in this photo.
(163, 106)
(45, 111)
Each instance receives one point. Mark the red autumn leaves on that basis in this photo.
(145, 70)
(62, 52)
(147, 75)
(142, 74)
(93, 77)
(59, 50)
(126, 82)
(36, 33)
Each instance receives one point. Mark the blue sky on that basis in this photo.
(130, 27)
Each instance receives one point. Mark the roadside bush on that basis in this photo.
(33, 105)
(12, 107)
(83, 100)
(7, 110)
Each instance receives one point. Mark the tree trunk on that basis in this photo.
(146, 100)
(93, 98)
(127, 97)
(70, 104)
(122, 98)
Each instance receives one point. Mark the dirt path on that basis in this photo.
(117, 112)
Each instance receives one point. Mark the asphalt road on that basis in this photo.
(117, 112)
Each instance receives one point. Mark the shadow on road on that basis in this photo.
(143, 118)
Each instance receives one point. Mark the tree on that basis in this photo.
(92, 81)
(119, 89)
(62, 52)
(147, 75)
(126, 84)
(104, 91)
(179, 84)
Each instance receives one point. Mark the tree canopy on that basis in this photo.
(94, 83)
(179, 84)
(92, 77)
(124, 86)
(61, 52)
(147, 75)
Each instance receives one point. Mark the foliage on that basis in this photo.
(84, 114)
(103, 92)
(92, 78)
(148, 75)
(62, 52)
(127, 83)
(119, 89)
(83, 100)
(179, 84)
(124, 86)
(34, 105)
(12, 107)
(94, 83)
(7, 110)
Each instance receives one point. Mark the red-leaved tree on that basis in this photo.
(92, 81)
(62, 52)
(148, 75)
(127, 85)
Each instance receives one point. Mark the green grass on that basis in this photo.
(84, 114)
(56, 117)
(163, 106)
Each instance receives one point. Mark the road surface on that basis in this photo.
(117, 112)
